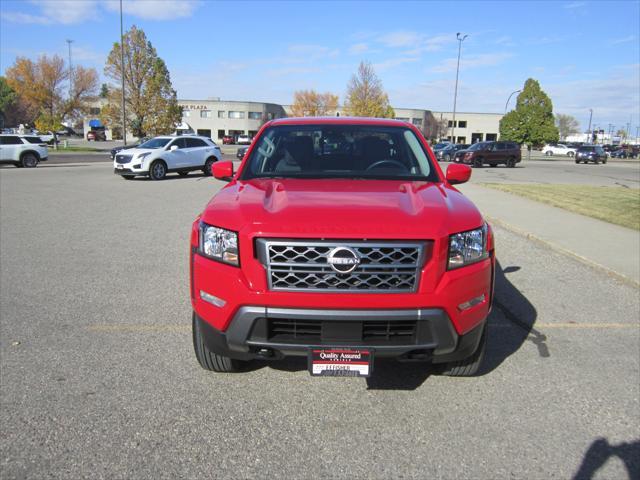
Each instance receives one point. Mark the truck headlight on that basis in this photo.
(468, 247)
(219, 244)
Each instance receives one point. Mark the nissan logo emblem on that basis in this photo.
(343, 259)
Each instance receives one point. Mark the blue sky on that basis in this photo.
(585, 54)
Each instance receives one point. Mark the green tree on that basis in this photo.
(151, 102)
(7, 100)
(567, 125)
(104, 91)
(366, 96)
(532, 122)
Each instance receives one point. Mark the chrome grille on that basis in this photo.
(123, 158)
(391, 267)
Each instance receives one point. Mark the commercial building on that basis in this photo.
(217, 118)
(469, 127)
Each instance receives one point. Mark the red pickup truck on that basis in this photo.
(341, 240)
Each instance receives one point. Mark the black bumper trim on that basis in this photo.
(127, 171)
(443, 344)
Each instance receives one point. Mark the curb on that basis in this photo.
(557, 248)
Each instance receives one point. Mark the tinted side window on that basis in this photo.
(10, 141)
(501, 146)
(195, 142)
(179, 142)
(33, 139)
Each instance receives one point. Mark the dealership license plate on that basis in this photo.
(340, 362)
(119, 167)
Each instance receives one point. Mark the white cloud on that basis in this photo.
(471, 61)
(574, 5)
(393, 62)
(65, 12)
(415, 43)
(358, 48)
(618, 41)
(400, 39)
(155, 9)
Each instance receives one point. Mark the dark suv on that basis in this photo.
(591, 153)
(493, 153)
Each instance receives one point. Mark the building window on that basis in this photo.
(417, 122)
(449, 124)
(94, 111)
(491, 137)
(220, 134)
(255, 115)
(462, 124)
(220, 113)
(205, 113)
(233, 114)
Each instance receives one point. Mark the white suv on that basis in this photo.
(558, 150)
(161, 155)
(23, 150)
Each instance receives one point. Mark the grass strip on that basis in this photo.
(617, 205)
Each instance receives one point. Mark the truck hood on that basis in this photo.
(342, 208)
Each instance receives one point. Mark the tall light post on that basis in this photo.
(589, 129)
(124, 114)
(610, 132)
(69, 42)
(455, 94)
(508, 99)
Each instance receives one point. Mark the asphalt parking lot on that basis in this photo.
(99, 379)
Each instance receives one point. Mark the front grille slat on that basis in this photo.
(292, 330)
(120, 158)
(299, 265)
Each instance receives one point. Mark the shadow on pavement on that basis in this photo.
(504, 340)
(601, 450)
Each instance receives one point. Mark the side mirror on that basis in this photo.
(457, 173)
(173, 148)
(224, 171)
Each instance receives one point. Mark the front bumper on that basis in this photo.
(128, 171)
(250, 336)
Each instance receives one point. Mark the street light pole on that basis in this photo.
(69, 42)
(508, 99)
(455, 94)
(588, 130)
(124, 114)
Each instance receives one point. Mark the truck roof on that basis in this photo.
(388, 122)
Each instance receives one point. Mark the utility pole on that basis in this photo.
(610, 131)
(589, 129)
(124, 114)
(455, 94)
(69, 42)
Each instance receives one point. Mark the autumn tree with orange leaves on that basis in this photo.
(43, 93)
(309, 103)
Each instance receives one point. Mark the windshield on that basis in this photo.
(477, 146)
(155, 143)
(339, 151)
(440, 146)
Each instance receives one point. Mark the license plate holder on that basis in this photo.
(340, 361)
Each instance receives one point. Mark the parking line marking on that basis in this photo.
(138, 328)
(575, 325)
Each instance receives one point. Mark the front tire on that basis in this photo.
(209, 360)
(477, 163)
(29, 160)
(158, 170)
(208, 165)
(548, 153)
(470, 365)
(447, 158)
(570, 154)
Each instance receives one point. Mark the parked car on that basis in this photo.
(493, 154)
(241, 151)
(591, 153)
(559, 149)
(341, 256)
(448, 152)
(127, 147)
(243, 140)
(96, 135)
(23, 150)
(228, 140)
(620, 153)
(161, 155)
